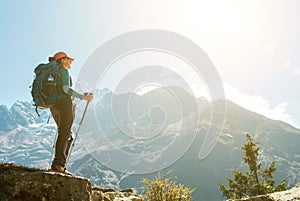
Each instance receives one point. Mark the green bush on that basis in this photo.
(256, 181)
(164, 189)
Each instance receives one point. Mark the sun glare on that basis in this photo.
(229, 19)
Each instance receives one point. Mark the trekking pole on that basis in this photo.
(76, 135)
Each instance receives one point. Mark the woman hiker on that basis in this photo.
(63, 113)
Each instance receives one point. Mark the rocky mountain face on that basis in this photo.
(27, 184)
(27, 139)
(19, 114)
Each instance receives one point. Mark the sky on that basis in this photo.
(254, 44)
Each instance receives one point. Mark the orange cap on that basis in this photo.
(60, 55)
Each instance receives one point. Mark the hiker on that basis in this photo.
(63, 111)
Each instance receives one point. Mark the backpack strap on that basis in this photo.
(36, 110)
(49, 118)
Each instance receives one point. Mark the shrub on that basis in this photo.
(164, 189)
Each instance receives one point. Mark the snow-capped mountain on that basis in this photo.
(27, 139)
(20, 114)
(4, 118)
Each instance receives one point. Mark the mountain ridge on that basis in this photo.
(30, 144)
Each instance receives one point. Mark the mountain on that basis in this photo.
(20, 114)
(125, 136)
(277, 139)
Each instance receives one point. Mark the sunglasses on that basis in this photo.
(66, 58)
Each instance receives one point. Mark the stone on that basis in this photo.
(32, 184)
(292, 194)
(23, 183)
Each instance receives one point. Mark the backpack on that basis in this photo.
(46, 86)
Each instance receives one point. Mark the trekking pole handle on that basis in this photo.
(86, 94)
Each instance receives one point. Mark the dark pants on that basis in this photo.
(63, 115)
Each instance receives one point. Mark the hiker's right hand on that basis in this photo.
(88, 97)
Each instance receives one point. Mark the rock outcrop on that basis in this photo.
(288, 195)
(23, 183)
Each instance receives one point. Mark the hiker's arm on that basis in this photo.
(66, 84)
(71, 92)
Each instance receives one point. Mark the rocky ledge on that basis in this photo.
(289, 195)
(22, 183)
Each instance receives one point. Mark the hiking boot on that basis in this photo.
(67, 173)
(60, 169)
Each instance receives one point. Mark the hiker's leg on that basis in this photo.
(70, 140)
(55, 115)
(64, 132)
(69, 143)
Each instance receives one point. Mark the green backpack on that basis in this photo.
(46, 86)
